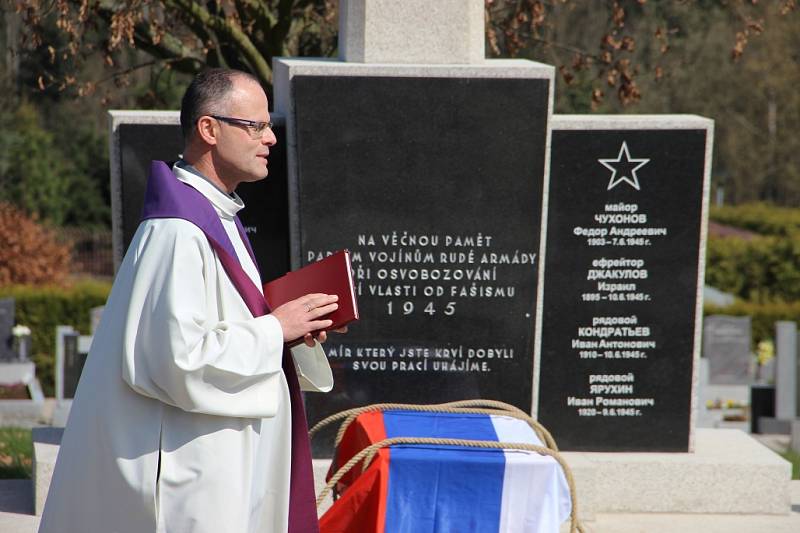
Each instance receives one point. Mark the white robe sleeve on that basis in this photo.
(177, 345)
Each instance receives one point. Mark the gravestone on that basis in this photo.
(138, 137)
(443, 222)
(7, 322)
(623, 281)
(73, 364)
(785, 381)
(72, 348)
(786, 369)
(762, 406)
(726, 344)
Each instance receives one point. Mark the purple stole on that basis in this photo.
(168, 197)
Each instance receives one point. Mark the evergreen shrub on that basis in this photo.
(758, 217)
(761, 269)
(42, 308)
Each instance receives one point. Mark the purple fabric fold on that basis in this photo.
(168, 197)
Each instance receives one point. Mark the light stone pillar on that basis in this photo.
(411, 31)
(786, 370)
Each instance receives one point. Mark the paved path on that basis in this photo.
(708, 523)
(16, 505)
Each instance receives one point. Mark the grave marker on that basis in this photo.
(623, 281)
(7, 318)
(726, 345)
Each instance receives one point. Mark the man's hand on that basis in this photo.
(323, 336)
(300, 317)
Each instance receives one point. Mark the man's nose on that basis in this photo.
(268, 137)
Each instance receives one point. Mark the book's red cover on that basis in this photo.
(331, 275)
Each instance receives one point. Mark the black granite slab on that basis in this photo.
(618, 329)
(73, 364)
(7, 317)
(435, 185)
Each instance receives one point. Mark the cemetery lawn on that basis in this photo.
(16, 452)
(794, 458)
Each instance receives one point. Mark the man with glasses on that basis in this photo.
(188, 416)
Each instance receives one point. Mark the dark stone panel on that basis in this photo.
(435, 185)
(762, 405)
(73, 364)
(139, 145)
(621, 267)
(7, 321)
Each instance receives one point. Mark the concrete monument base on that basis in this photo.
(46, 441)
(729, 472)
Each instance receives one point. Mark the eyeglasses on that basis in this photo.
(256, 128)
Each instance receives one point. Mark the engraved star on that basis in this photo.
(625, 168)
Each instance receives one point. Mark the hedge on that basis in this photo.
(761, 269)
(759, 217)
(44, 308)
(764, 268)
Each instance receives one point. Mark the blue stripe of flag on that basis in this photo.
(448, 489)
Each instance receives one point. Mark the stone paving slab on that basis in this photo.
(698, 523)
(729, 472)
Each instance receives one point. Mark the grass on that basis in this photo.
(794, 458)
(16, 452)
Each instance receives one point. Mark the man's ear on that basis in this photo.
(207, 129)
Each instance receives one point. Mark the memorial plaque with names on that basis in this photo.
(265, 216)
(625, 215)
(7, 317)
(726, 345)
(435, 185)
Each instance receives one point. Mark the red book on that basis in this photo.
(331, 275)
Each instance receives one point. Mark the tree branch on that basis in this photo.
(233, 32)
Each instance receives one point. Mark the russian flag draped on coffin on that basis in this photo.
(427, 489)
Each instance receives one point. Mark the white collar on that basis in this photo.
(225, 205)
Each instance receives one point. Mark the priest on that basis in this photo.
(188, 417)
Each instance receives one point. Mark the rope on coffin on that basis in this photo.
(492, 407)
(478, 406)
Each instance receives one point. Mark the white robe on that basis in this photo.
(181, 421)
